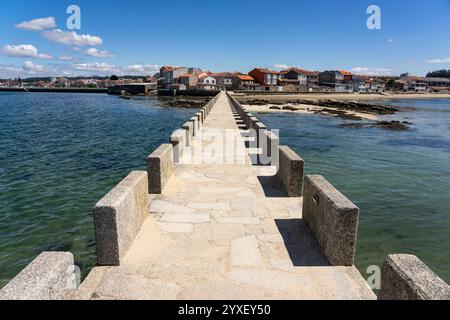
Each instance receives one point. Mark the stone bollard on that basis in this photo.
(290, 171)
(199, 118)
(179, 144)
(203, 115)
(48, 277)
(119, 216)
(406, 277)
(270, 150)
(261, 134)
(333, 220)
(189, 128)
(195, 125)
(249, 122)
(253, 121)
(160, 168)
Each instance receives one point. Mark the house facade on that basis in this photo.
(412, 83)
(266, 78)
(207, 82)
(246, 82)
(171, 74)
(339, 80)
(225, 80)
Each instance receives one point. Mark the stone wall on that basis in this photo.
(160, 168)
(48, 277)
(406, 277)
(333, 220)
(119, 216)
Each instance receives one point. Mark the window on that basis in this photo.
(207, 81)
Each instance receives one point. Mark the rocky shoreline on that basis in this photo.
(356, 106)
(389, 125)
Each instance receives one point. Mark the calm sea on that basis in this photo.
(60, 153)
(399, 179)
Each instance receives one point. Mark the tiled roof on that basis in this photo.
(222, 74)
(244, 77)
(345, 73)
(301, 71)
(265, 70)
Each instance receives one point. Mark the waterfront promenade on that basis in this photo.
(217, 232)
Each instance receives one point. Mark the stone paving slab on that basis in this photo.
(222, 231)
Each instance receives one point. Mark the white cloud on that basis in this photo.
(66, 58)
(439, 61)
(24, 51)
(32, 68)
(391, 40)
(76, 49)
(75, 69)
(94, 67)
(93, 52)
(281, 66)
(10, 68)
(372, 71)
(72, 38)
(107, 69)
(37, 24)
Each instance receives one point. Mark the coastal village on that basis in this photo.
(257, 80)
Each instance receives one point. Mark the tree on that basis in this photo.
(114, 78)
(439, 74)
(390, 83)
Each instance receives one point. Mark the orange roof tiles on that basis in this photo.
(244, 77)
(345, 73)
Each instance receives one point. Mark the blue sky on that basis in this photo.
(136, 37)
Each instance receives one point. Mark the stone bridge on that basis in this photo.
(224, 212)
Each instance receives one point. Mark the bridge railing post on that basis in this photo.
(332, 218)
(406, 277)
(160, 168)
(118, 217)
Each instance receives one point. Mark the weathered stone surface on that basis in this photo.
(332, 218)
(48, 277)
(178, 141)
(195, 125)
(176, 227)
(290, 171)
(160, 168)
(185, 218)
(244, 221)
(135, 287)
(406, 277)
(119, 216)
(209, 205)
(158, 206)
(245, 252)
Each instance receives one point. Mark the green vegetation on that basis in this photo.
(439, 74)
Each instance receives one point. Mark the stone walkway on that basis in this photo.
(220, 231)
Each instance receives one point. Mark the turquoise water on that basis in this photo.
(399, 179)
(59, 154)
